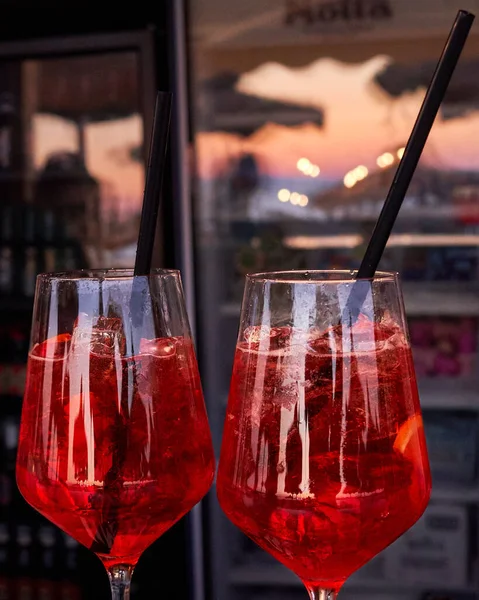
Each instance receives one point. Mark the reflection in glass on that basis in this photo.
(323, 461)
(342, 95)
(71, 139)
(114, 442)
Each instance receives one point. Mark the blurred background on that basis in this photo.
(290, 118)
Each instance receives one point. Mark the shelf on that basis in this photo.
(399, 240)
(449, 394)
(263, 574)
(378, 585)
(450, 298)
(251, 575)
(456, 494)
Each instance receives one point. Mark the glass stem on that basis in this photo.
(318, 594)
(120, 579)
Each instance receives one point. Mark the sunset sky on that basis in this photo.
(361, 122)
(107, 154)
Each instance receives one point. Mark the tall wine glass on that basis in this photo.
(323, 462)
(114, 441)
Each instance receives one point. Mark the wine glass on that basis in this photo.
(323, 461)
(114, 442)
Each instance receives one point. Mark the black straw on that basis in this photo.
(109, 502)
(154, 181)
(430, 107)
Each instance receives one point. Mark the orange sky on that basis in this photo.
(107, 146)
(361, 122)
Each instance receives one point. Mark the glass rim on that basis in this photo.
(318, 276)
(122, 274)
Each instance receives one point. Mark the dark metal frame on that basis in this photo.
(141, 42)
(177, 184)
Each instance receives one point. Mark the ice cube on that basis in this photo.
(362, 336)
(104, 336)
(307, 526)
(302, 337)
(82, 320)
(46, 536)
(159, 347)
(318, 347)
(257, 336)
(315, 333)
(256, 333)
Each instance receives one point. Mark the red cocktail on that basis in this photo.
(114, 444)
(66, 454)
(323, 462)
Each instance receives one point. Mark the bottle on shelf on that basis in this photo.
(29, 258)
(48, 562)
(48, 226)
(7, 126)
(4, 548)
(8, 568)
(30, 271)
(66, 259)
(7, 456)
(70, 555)
(16, 504)
(6, 224)
(6, 270)
(5, 482)
(18, 247)
(49, 251)
(29, 223)
(25, 585)
(47, 541)
(18, 335)
(6, 259)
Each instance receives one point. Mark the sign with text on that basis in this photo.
(263, 23)
(349, 12)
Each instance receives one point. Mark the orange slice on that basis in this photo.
(62, 337)
(411, 443)
(410, 433)
(47, 349)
